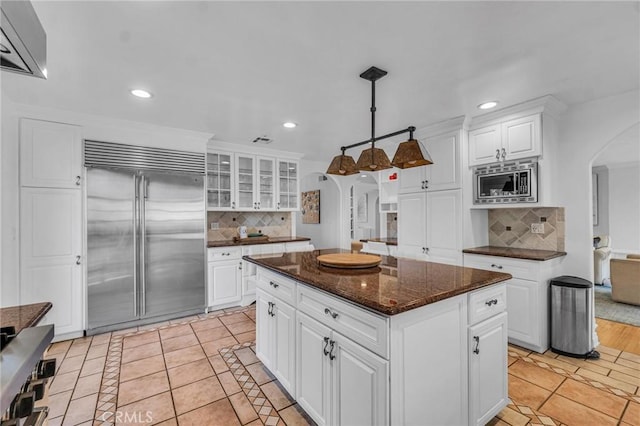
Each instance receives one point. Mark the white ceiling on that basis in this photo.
(240, 69)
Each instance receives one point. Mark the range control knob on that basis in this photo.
(22, 405)
(46, 368)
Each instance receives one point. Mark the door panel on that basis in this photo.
(173, 250)
(523, 320)
(284, 350)
(111, 253)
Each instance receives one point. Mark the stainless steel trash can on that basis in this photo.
(571, 317)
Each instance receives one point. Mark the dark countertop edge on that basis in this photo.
(381, 240)
(14, 312)
(500, 277)
(528, 254)
(275, 240)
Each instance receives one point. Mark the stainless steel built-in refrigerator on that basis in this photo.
(146, 228)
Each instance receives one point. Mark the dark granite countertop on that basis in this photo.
(396, 286)
(23, 316)
(387, 241)
(249, 242)
(517, 253)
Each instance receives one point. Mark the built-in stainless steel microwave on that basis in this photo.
(503, 183)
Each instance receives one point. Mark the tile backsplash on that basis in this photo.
(392, 225)
(273, 224)
(512, 228)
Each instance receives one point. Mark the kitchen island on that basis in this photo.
(406, 342)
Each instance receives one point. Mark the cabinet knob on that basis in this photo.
(258, 205)
(504, 153)
(493, 265)
(273, 284)
(497, 154)
(278, 207)
(477, 349)
(77, 260)
(331, 355)
(78, 178)
(233, 204)
(326, 343)
(426, 184)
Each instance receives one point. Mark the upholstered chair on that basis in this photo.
(601, 258)
(625, 279)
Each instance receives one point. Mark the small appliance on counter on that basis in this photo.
(242, 232)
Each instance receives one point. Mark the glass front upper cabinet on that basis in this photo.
(266, 183)
(288, 185)
(220, 181)
(245, 181)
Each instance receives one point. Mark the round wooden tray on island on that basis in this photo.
(349, 260)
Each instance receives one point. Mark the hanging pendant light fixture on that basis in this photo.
(410, 153)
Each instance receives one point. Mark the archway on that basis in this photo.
(325, 234)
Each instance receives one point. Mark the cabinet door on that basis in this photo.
(312, 368)
(444, 173)
(288, 185)
(266, 186)
(51, 250)
(522, 306)
(487, 369)
(50, 154)
(412, 225)
(360, 380)
(521, 137)
(485, 145)
(220, 181)
(444, 226)
(224, 282)
(264, 329)
(412, 180)
(245, 182)
(284, 324)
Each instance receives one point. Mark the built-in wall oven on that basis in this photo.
(509, 182)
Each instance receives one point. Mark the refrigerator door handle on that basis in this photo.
(136, 218)
(143, 238)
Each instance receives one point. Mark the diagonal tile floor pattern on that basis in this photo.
(203, 370)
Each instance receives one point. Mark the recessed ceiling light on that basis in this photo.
(488, 105)
(289, 125)
(141, 93)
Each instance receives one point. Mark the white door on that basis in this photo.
(50, 154)
(521, 306)
(266, 183)
(360, 380)
(413, 179)
(444, 173)
(225, 279)
(444, 226)
(51, 254)
(487, 369)
(484, 145)
(245, 182)
(521, 137)
(412, 225)
(284, 324)
(264, 329)
(313, 378)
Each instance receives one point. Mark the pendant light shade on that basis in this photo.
(342, 165)
(411, 154)
(373, 159)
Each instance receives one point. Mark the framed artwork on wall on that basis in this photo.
(311, 207)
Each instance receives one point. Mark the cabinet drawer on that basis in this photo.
(361, 326)
(518, 268)
(487, 302)
(277, 285)
(224, 253)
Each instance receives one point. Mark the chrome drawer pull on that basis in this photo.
(331, 355)
(491, 302)
(326, 343)
(493, 265)
(477, 349)
(327, 311)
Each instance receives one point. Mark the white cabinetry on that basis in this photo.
(527, 296)
(430, 226)
(50, 154)
(221, 193)
(288, 185)
(277, 335)
(444, 173)
(507, 140)
(51, 222)
(255, 183)
(224, 277)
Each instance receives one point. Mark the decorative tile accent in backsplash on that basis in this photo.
(273, 224)
(512, 228)
(392, 225)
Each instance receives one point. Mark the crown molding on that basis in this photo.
(547, 104)
(215, 145)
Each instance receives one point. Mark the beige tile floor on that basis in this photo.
(203, 371)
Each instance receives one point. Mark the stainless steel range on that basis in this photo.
(23, 374)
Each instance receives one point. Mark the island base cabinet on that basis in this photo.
(339, 382)
(275, 343)
(488, 390)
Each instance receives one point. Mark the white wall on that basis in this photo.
(326, 234)
(93, 127)
(624, 207)
(602, 173)
(585, 130)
